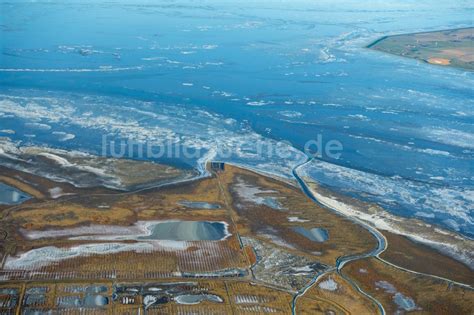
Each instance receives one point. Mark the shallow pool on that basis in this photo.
(404, 302)
(199, 205)
(197, 298)
(314, 234)
(187, 231)
(11, 196)
(92, 301)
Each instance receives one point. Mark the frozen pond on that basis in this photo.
(257, 195)
(95, 301)
(69, 302)
(313, 69)
(96, 289)
(314, 234)
(272, 202)
(11, 196)
(404, 302)
(197, 298)
(89, 301)
(186, 231)
(199, 205)
(172, 230)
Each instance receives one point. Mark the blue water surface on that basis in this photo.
(209, 75)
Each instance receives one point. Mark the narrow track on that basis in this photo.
(341, 261)
(382, 244)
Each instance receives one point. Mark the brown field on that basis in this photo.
(439, 61)
(445, 48)
(249, 297)
(238, 297)
(123, 210)
(259, 255)
(430, 295)
(344, 298)
(345, 237)
(418, 257)
(319, 306)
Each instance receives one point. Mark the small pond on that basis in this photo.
(197, 298)
(93, 301)
(187, 231)
(404, 302)
(96, 289)
(315, 234)
(273, 203)
(199, 205)
(11, 196)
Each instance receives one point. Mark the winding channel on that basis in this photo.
(382, 244)
(340, 262)
(343, 260)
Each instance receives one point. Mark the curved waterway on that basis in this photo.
(343, 260)
(313, 76)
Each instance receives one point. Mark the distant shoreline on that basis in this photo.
(414, 33)
(449, 47)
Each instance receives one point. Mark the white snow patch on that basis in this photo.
(297, 219)
(329, 285)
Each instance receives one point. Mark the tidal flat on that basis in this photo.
(99, 233)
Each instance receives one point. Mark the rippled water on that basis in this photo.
(220, 76)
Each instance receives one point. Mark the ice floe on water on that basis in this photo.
(359, 117)
(259, 103)
(424, 215)
(400, 195)
(99, 69)
(37, 126)
(290, 114)
(448, 242)
(63, 136)
(326, 56)
(449, 136)
(158, 126)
